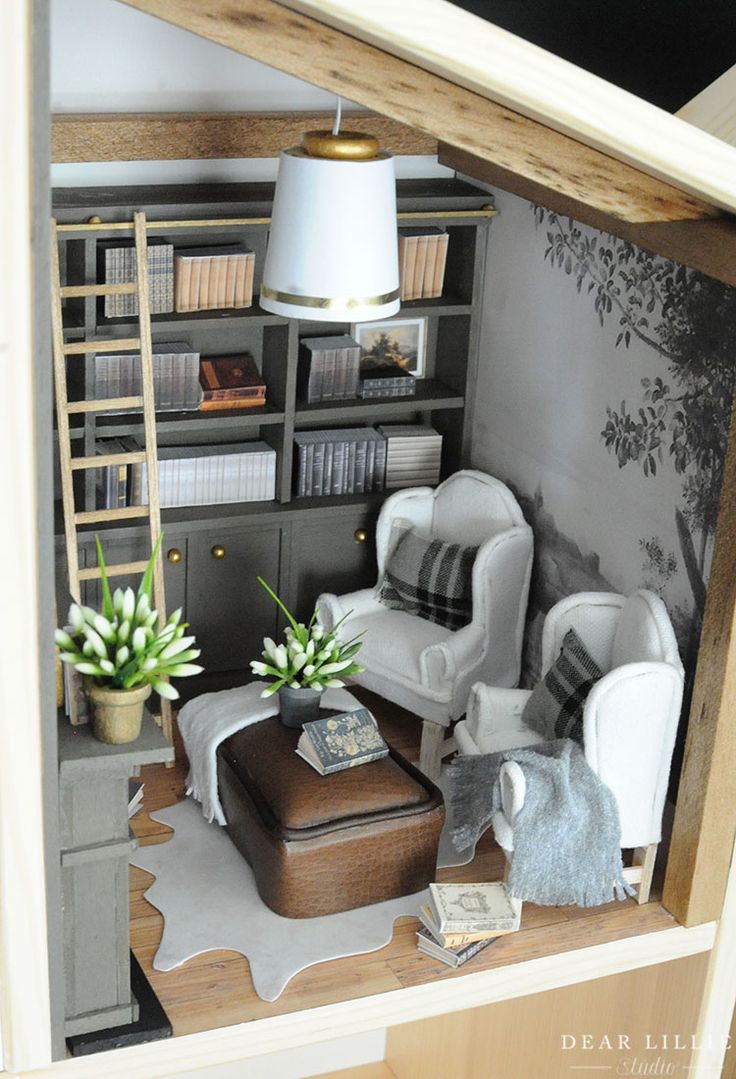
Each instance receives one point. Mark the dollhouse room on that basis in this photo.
(372, 461)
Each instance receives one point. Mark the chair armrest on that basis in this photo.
(353, 604)
(496, 709)
(443, 663)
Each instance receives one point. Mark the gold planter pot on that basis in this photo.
(117, 713)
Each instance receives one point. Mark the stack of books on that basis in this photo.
(119, 268)
(330, 367)
(422, 259)
(413, 456)
(206, 278)
(207, 475)
(114, 481)
(341, 741)
(340, 462)
(231, 382)
(175, 377)
(387, 381)
(461, 920)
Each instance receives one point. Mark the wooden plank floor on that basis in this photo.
(215, 989)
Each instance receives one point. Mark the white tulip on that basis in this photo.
(317, 633)
(123, 631)
(107, 666)
(122, 655)
(117, 600)
(185, 670)
(333, 668)
(176, 647)
(104, 628)
(257, 667)
(334, 683)
(139, 639)
(309, 649)
(89, 668)
(128, 604)
(298, 661)
(165, 689)
(175, 618)
(280, 658)
(75, 617)
(309, 670)
(63, 639)
(150, 663)
(96, 641)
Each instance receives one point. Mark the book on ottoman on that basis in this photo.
(341, 741)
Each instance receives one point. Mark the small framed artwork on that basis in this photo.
(400, 342)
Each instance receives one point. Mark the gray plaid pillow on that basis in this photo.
(555, 708)
(432, 579)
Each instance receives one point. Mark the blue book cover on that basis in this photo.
(341, 741)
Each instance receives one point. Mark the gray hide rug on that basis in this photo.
(207, 895)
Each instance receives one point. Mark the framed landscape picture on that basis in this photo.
(398, 342)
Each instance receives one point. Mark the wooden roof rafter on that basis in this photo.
(480, 137)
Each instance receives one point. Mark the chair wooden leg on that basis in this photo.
(645, 857)
(430, 750)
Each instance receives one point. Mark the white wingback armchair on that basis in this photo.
(423, 666)
(630, 716)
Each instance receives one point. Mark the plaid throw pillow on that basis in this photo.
(431, 579)
(555, 708)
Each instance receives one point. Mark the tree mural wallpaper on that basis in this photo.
(683, 418)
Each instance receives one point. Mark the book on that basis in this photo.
(206, 278)
(329, 368)
(422, 258)
(473, 908)
(341, 741)
(453, 957)
(208, 475)
(388, 381)
(135, 796)
(227, 378)
(450, 940)
(175, 378)
(117, 266)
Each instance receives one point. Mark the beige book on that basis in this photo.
(407, 255)
(439, 266)
(429, 265)
(241, 272)
(416, 288)
(205, 275)
(195, 278)
(249, 275)
(219, 297)
(182, 282)
(231, 270)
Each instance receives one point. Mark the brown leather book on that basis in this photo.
(230, 378)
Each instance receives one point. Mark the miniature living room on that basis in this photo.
(390, 600)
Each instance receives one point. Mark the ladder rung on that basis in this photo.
(122, 513)
(123, 344)
(68, 291)
(134, 457)
(102, 404)
(93, 572)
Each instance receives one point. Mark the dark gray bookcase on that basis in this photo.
(300, 545)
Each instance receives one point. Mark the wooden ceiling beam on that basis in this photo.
(182, 136)
(708, 245)
(301, 46)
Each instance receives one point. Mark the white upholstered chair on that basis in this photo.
(630, 716)
(423, 666)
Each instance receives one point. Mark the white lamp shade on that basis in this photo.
(332, 249)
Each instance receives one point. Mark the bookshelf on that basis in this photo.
(300, 545)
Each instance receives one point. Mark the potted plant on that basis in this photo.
(307, 663)
(124, 653)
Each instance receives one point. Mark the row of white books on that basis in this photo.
(191, 475)
(414, 455)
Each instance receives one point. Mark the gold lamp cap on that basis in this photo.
(347, 146)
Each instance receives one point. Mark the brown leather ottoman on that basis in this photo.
(322, 844)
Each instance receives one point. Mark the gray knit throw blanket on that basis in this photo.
(567, 834)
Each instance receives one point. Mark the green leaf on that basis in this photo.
(107, 605)
(292, 621)
(144, 588)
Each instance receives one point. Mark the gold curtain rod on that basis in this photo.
(95, 225)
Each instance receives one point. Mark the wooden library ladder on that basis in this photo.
(65, 408)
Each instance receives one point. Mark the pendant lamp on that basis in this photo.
(332, 248)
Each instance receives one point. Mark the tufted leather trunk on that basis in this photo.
(322, 844)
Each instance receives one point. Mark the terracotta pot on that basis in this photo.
(117, 713)
(298, 706)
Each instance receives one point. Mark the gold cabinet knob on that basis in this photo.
(174, 555)
(218, 551)
(94, 220)
(360, 535)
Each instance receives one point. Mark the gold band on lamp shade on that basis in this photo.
(347, 146)
(326, 304)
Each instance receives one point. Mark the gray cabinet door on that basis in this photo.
(136, 549)
(335, 553)
(227, 609)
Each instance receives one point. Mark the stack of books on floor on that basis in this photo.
(461, 920)
(422, 259)
(175, 377)
(207, 278)
(229, 382)
(190, 475)
(329, 368)
(389, 380)
(413, 456)
(340, 462)
(119, 268)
